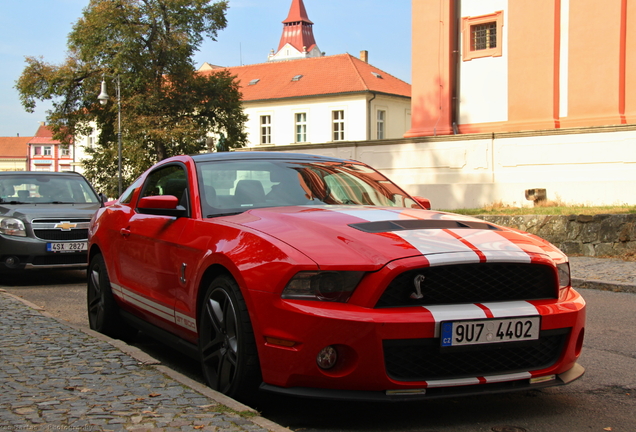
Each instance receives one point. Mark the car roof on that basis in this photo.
(39, 173)
(264, 155)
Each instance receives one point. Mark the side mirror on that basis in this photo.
(102, 198)
(161, 205)
(424, 202)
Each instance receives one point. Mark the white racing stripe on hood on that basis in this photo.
(438, 242)
(373, 215)
(493, 246)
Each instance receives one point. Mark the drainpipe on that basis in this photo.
(457, 16)
(369, 117)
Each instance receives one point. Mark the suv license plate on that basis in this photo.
(456, 333)
(67, 247)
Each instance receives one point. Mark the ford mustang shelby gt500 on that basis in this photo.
(316, 276)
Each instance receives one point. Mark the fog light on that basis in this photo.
(327, 357)
(11, 261)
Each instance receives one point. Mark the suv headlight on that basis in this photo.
(12, 227)
(333, 286)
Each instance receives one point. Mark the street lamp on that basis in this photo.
(103, 99)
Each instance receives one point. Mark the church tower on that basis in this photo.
(297, 40)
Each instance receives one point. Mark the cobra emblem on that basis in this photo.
(418, 281)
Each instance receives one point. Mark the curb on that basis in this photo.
(603, 286)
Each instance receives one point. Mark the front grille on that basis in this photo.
(472, 283)
(61, 259)
(53, 229)
(425, 360)
(76, 234)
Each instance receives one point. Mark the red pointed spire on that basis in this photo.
(297, 12)
(297, 30)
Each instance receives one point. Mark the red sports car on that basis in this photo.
(315, 276)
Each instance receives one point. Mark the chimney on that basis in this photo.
(364, 56)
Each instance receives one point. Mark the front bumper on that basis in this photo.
(567, 377)
(367, 340)
(27, 253)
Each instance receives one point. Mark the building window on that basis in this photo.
(338, 126)
(47, 151)
(381, 117)
(301, 127)
(266, 129)
(37, 151)
(66, 151)
(482, 36)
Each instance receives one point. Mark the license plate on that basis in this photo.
(67, 247)
(488, 331)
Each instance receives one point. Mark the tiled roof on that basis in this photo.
(14, 147)
(338, 74)
(44, 135)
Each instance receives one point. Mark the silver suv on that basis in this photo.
(44, 219)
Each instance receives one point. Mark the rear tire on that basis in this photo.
(226, 341)
(103, 312)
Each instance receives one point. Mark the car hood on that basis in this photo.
(346, 236)
(28, 212)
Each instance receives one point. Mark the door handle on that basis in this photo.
(125, 232)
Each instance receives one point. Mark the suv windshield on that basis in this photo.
(237, 186)
(46, 189)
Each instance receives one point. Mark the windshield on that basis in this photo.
(45, 189)
(237, 186)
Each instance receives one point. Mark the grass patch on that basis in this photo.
(547, 208)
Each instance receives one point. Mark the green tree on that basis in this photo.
(167, 107)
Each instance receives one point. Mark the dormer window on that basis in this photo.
(254, 81)
(297, 78)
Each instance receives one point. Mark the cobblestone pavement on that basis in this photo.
(56, 377)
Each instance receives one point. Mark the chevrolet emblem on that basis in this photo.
(65, 226)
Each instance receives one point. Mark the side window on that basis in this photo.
(126, 197)
(168, 180)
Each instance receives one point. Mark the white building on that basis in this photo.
(301, 96)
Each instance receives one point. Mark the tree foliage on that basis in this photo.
(167, 107)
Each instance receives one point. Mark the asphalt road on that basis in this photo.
(603, 400)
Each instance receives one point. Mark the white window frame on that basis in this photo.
(265, 129)
(380, 126)
(338, 125)
(300, 127)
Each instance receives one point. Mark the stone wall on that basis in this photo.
(600, 235)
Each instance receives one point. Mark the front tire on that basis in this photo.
(226, 341)
(103, 312)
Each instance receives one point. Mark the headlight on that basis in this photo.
(563, 271)
(12, 226)
(322, 285)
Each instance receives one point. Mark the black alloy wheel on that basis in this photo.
(103, 312)
(226, 341)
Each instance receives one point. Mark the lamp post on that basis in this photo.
(103, 99)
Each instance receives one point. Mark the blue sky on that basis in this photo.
(40, 28)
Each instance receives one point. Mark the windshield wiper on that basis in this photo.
(226, 214)
(11, 202)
